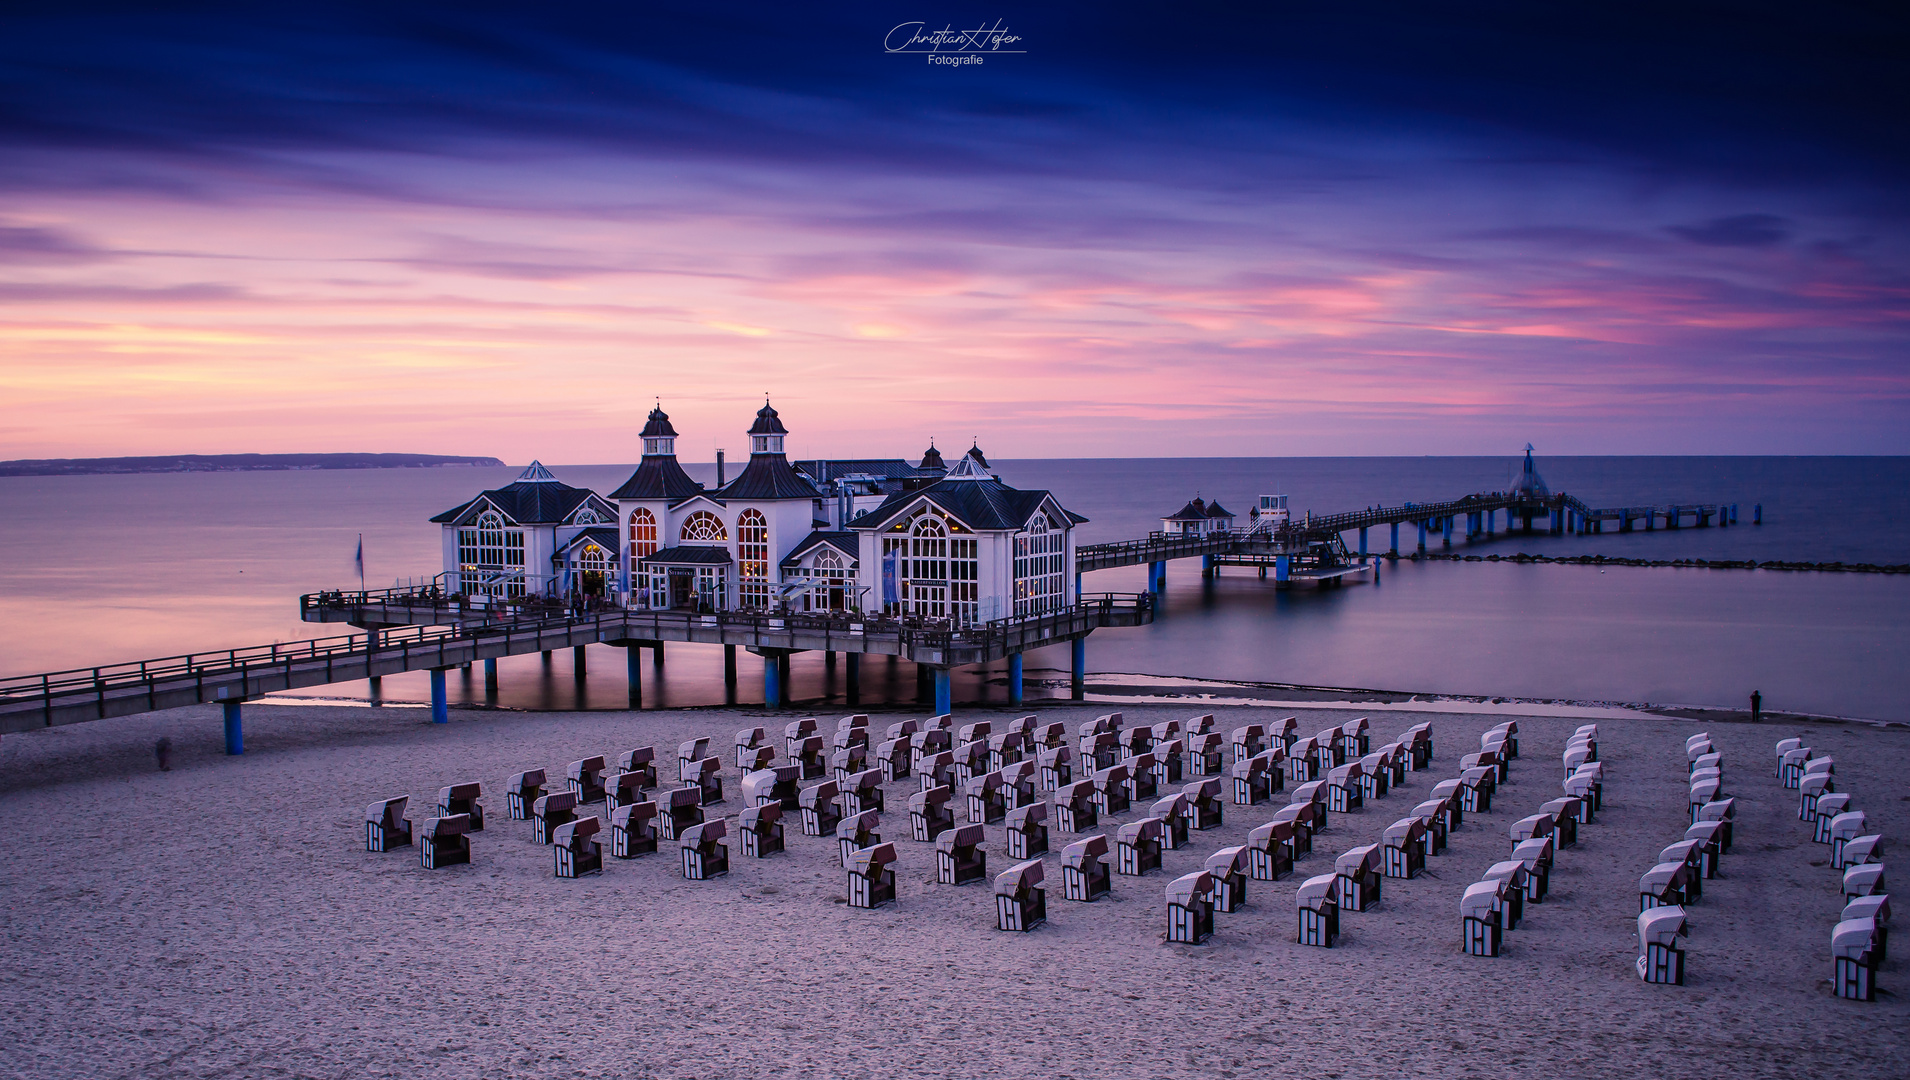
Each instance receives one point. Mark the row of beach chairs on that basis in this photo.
(1496, 903)
(1677, 879)
(1859, 939)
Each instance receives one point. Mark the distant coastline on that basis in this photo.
(178, 463)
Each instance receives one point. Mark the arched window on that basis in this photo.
(752, 558)
(586, 517)
(594, 570)
(831, 577)
(704, 526)
(1040, 576)
(491, 557)
(643, 534)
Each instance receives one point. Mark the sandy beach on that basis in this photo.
(224, 919)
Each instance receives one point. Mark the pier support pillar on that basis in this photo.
(1077, 587)
(772, 683)
(1757, 513)
(729, 665)
(1014, 679)
(633, 668)
(1283, 567)
(923, 688)
(234, 729)
(1447, 540)
(1362, 543)
(578, 664)
(1207, 567)
(782, 675)
(944, 703)
(490, 673)
(1157, 578)
(1394, 550)
(1422, 543)
(854, 686)
(829, 660)
(546, 659)
(440, 708)
(1079, 688)
(656, 654)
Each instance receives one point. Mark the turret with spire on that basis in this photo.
(769, 474)
(658, 476)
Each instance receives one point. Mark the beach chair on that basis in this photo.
(862, 792)
(1432, 815)
(855, 832)
(1785, 746)
(1515, 885)
(520, 791)
(1102, 748)
(705, 856)
(1161, 732)
(1854, 961)
(1137, 847)
(1190, 908)
(1198, 725)
(1311, 795)
(550, 811)
(777, 784)
(903, 729)
(1575, 756)
(1206, 754)
(1251, 785)
(812, 756)
(820, 810)
(985, 803)
(1376, 777)
(1790, 767)
(1021, 898)
(1025, 727)
(1813, 787)
(929, 814)
(1283, 733)
(959, 858)
(633, 830)
(1877, 909)
(1829, 808)
(1488, 759)
(1691, 853)
(979, 731)
(1084, 869)
(756, 760)
(858, 720)
(848, 737)
(1134, 741)
(1528, 827)
(1057, 767)
(1663, 886)
(1453, 793)
(1508, 736)
(847, 761)
(1205, 797)
(1319, 910)
(748, 740)
(643, 762)
(1724, 810)
(937, 770)
(463, 799)
(444, 841)
(1142, 784)
(707, 775)
(1110, 791)
(1844, 828)
(1359, 876)
(679, 810)
(1028, 830)
(1864, 879)
(1566, 812)
(795, 734)
(1660, 960)
(1355, 740)
(1176, 812)
(1580, 786)
(1479, 930)
(577, 849)
(1248, 741)
(1419, 746)
(1537, 857)
(761, 828)
(1074, 807)
(623, 789)
(1403, 848)
(585, 777)
(944, 722)
(1862, 850)
(1298, 817)
(1017, 783)
(1052, 735)
(1710, 838)
(1328, 751)
(893, 757)
(1343, 790)
(689, 758)
(1477, 789)
(1228, 868)
(1270, 851)
(1301, 759)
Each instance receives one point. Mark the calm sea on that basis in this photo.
(99, 569)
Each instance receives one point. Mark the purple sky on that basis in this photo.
(487, 229)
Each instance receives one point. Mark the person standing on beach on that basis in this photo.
(163, 751)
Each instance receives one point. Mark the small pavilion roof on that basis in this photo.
(691, 555)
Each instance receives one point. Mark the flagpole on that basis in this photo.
(361, 562)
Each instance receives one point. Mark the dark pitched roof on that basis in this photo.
(658, 477)
(696, 554)
(527, 502)
(883, 468)
(605, 538)
(767, 423)
(1193, 511)
(844, 542)
(659, 425)
(982, 503)
(1215, 510)
(933, 459)
(769, 476)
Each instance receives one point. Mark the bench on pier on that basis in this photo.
(1270, 851)
(936, 770)
(586, 777)
(633, 830)
(705, 855)
(1021, 897)
(1228, 868)
(1005, 749)
(1074, 807)
(1251, 783)
(550, 811)
(1248, 741)
(1057, 767)
(847, 761)
(855, 832)
(445, 841)
(893, 757)
(762, 757)
(1319, 910)
(820, 808)
(1344, 790)
(761, 827)
(929, 814)
(1137, 847)
(1660, 960)
(959, 858)
(1208, 805)
(1206, 754)
(985, 803)
(1084, 869)
(643, 762)
(1190, 908)
(812, 756)
(1358, 871)
(680, 810)
(689, 756)
(795, 733)
(871, 876)
(748, 741)
(1110, 791)
(520, 791)
(1176, 812)
(1027, 830)
(1403, 848)
(463, 799)
(1479, 908)
(577, 849)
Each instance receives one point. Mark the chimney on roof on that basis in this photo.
(719, 468)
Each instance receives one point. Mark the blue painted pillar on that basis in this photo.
(943, 703)
(1422, 540)
(1757, 513)
(1447, 540)
(1080, 681)
(490, 673)
(440, 709)
(1362, 543)
(633, 668)
(1283, 568)
(1394, 550)
(234, 729)
(1207, 566)
(772, 683)
(1157, 578)
(1014, 679)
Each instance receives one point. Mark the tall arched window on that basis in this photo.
(831, 577)
(643, 534)
(1040, 577)
(593, 570)
(928, 568)
(491, 557)
(752, 558)
(704, 526)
